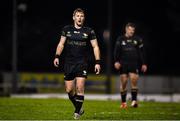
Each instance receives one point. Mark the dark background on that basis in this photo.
(40, 23)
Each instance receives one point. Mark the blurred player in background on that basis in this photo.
(127, 53)
(75, 39)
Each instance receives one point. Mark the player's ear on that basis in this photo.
(73, 18)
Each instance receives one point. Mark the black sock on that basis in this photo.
(134, 94)
(72, 98)
(79, 102)
(123, 96)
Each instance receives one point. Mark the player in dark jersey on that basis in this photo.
(128, 54)
(75, 39)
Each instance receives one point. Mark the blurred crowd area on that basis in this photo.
(39, 24)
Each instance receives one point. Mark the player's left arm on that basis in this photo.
(96, 50)
(142, 55)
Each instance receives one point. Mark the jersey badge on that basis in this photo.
(85, 35)
(123, 43)
(68, 34)
(135, 42)
(84, 72)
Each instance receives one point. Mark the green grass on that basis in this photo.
(60, 109)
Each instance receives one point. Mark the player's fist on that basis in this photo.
(56, 62)
(117, 65)
(144, 68)
(97, 68)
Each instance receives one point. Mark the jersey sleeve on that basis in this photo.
(117, 50)
(64, 31)
(140, 43)
(92, 34)
(141, 49)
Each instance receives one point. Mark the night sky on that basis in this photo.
(40, 23)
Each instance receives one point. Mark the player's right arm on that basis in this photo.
(141, 51)
(117, 63)
(59, 50)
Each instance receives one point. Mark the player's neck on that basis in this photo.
(77, 27)
(128, 36)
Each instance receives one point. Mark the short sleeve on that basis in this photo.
(64, 31)
(140, 43)
(119, 39)
(92, 34)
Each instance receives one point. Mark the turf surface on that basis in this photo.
(61, 109)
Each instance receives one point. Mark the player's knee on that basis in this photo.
(134, 89)
(123, 83)
(133, 78)
(68, 90)
(134, 86)
(80, 90)
(123, 88)
(123, 78)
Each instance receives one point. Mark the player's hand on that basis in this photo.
(97, 68)
(117, 65)
(144, 68)
(56, 62)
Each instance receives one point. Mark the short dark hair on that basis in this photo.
(131, 25)
(78, 10)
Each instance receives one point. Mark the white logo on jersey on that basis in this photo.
(77, 32)
(84, 72)
(68, 34)
(123, 43)
(129, 40)
(135, 42)
(85, 34)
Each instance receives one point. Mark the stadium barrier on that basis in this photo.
(54, 83)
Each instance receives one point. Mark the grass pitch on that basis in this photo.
(61, 109)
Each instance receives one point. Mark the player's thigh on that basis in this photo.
(80, 83)
(123, 79)
(133, 78)
(69, 85)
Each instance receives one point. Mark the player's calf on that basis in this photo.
(123, 99)
(134, 102)
(72, 98)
